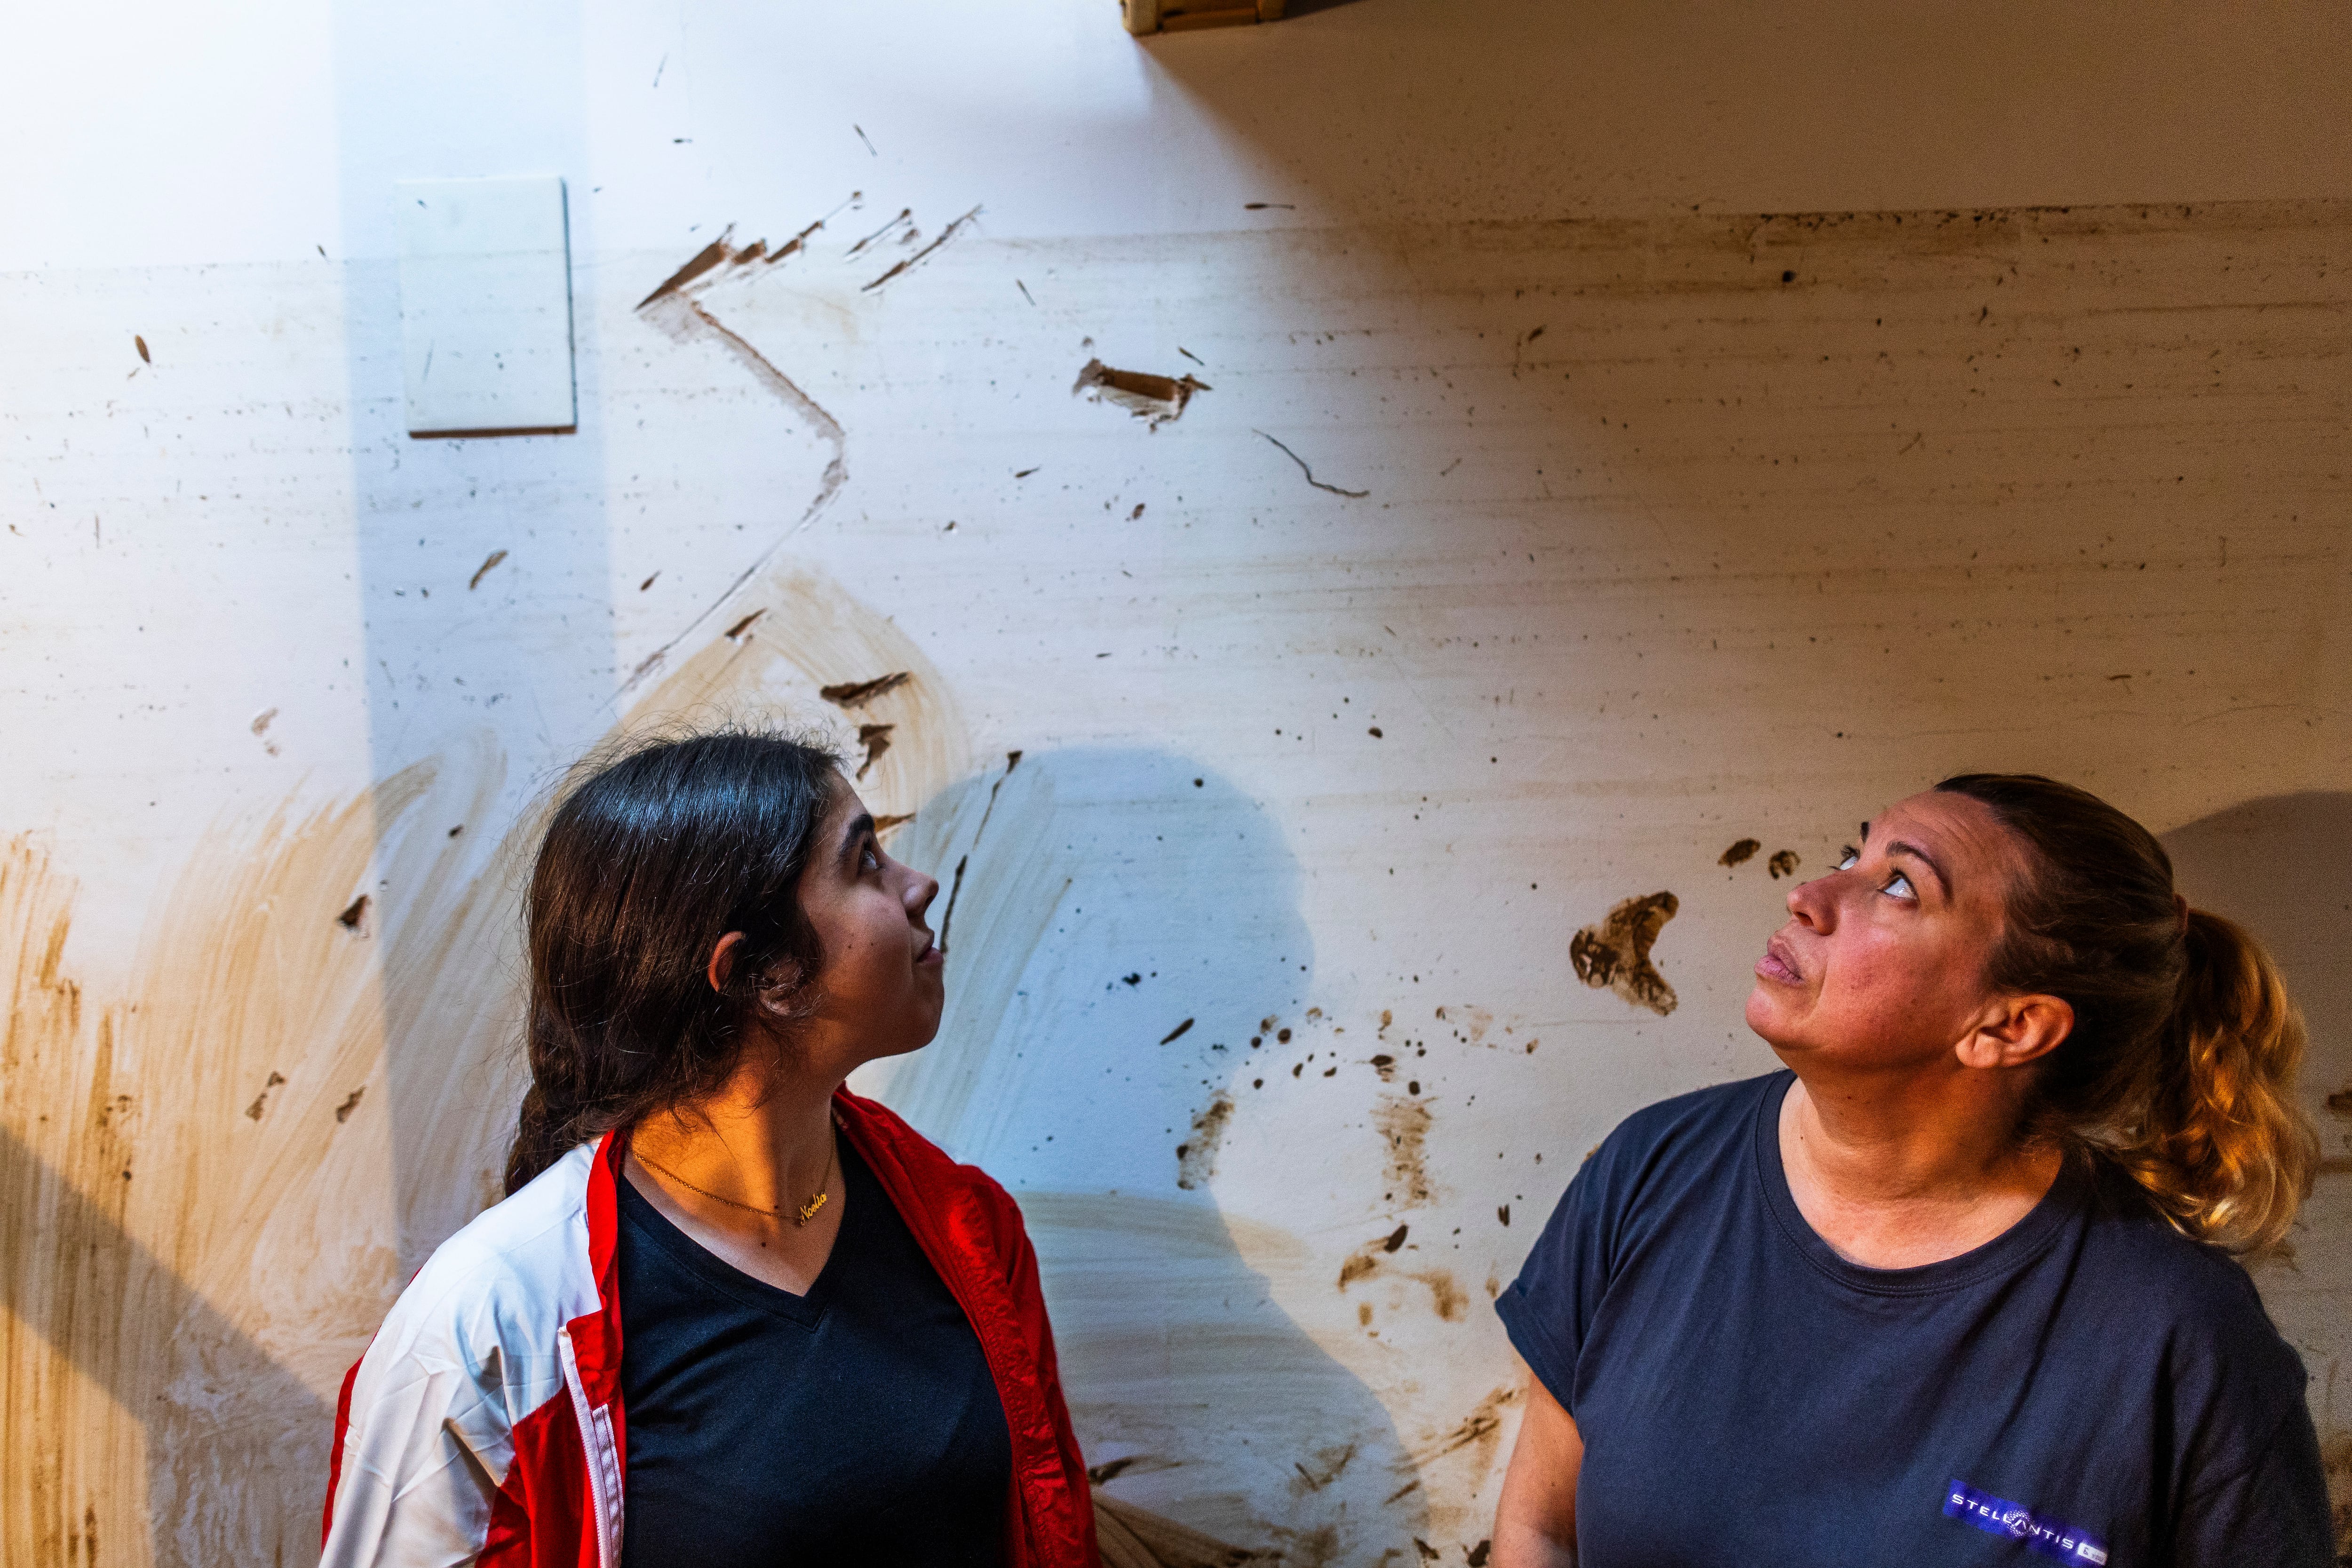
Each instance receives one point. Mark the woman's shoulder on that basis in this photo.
(2192, 1296)
(911, 1164)
(1667, 1158)
(514, 1274)
(1702, 1127)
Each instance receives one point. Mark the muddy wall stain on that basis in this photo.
(1615, 952)
(1196, 1157)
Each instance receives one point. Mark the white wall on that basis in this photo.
(1709, 556)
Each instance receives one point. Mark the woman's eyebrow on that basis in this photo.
(1900, 848)
(854, 834)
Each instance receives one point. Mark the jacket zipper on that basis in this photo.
(596, 1441)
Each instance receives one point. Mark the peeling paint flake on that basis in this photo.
(858, 693)
(923, 255)
(1155, 398)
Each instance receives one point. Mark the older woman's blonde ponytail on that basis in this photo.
(2182, 1063)
(2222, 1146)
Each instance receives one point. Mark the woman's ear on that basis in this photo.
(2017, 1030)
(780, 990)
(722, 960)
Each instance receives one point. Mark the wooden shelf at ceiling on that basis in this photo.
(1184, 16)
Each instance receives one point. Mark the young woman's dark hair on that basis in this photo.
(658, 852)
(2181, 1065)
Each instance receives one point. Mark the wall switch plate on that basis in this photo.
(486, 305)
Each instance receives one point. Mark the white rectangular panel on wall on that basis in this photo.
(485, 305)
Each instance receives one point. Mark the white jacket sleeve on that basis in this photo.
(428, 1442)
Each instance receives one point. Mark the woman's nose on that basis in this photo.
(921, 889)
(1811, 904)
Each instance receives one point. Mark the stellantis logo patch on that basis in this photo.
(1998, 1516)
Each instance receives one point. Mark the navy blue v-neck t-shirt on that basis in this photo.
(855, 1424)
(2088, 1388)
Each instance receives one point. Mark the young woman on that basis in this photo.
(730, 1313)
(1956, 1286)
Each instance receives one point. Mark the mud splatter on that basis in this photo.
(260, 727)
(1156, 398)
(904, 224)
(1329, 1464)
(875, 739)
(484, 570)
(1782, 863)
(350, 1104)
(1176, 1033)
(261, 1102)
(1131, 1537)
(145, 358)
(2340, 1104)
(354, 915)
(1403, 1125)
(1446, 1294)
(947, 233)
(1480, 1430)
(858, 693)
(1616, 953)
(737, 632)
(1196, 1158)
(1470, 1023)
(1740, 853)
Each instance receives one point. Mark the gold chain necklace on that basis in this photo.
(801, 1215)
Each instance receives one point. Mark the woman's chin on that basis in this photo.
(1766, 1013)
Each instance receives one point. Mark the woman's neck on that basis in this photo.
(764, 1139)
(1894, 1171)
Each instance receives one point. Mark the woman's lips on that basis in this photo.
(1778, 964)
(932, 953)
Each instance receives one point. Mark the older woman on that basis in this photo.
(1955, 1286)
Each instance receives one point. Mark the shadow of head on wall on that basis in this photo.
(1119, 923)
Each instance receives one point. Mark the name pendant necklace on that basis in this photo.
(802, 1213)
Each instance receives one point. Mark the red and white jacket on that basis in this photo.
(484, 1424)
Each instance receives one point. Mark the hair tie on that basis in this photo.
(2182, 905)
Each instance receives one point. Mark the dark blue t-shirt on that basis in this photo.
(855, 1424)
(2090, 1386)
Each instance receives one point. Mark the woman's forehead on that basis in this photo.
(1959, 832)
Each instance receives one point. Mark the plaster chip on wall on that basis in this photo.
(1157, 398)
(875, 739)
(485, 305)
(858, 693)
